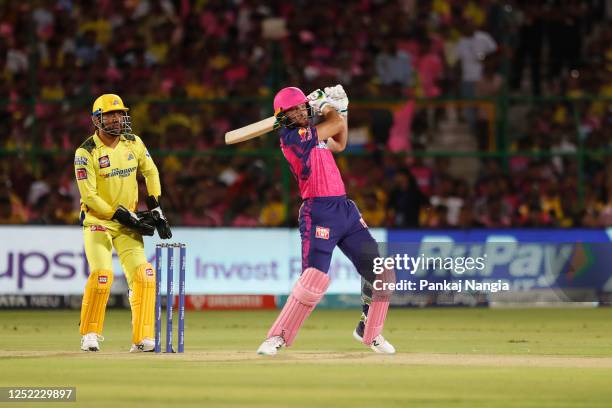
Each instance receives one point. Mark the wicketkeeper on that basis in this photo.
(105, 166)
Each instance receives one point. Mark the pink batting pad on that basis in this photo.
(307, 292)
(377, 312)
(375, 321)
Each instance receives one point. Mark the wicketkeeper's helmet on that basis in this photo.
(110, 103)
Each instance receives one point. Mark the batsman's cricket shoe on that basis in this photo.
(271, 346)
(89, 342)
(146, 345)
(379, 344)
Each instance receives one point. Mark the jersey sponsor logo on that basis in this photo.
(322, 232)
(363, 222)
(119, 172)
(94, 228)
(305, 134)
(104, 162)
(103, 279)
(81, 174)
(80, 161)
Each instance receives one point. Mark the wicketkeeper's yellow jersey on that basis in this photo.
(106, 177)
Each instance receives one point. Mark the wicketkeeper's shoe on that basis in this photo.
(89, 342)
(146, 345)
(379, 344)
(271, 346)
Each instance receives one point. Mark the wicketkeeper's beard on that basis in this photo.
(113, 129)
(110, 131)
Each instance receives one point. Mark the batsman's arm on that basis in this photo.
(148, 169)
(86, 182)
(333, 129)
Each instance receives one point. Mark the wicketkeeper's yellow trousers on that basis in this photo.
(99, 243)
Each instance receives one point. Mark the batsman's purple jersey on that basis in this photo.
(327, 217)
(311, 162)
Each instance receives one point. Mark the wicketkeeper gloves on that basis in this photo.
(161, 223)
(129, 219)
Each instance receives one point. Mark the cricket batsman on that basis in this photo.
(327, 218)
(105, 166)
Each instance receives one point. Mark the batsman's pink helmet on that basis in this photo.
(287, 98)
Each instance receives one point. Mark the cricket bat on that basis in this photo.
(250, 131)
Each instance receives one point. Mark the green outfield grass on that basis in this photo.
(446, 357)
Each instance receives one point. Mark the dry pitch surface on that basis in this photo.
(362, 358)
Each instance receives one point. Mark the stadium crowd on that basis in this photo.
(190, 71)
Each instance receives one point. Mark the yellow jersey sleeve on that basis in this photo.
(86, 182)
(148, 169)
